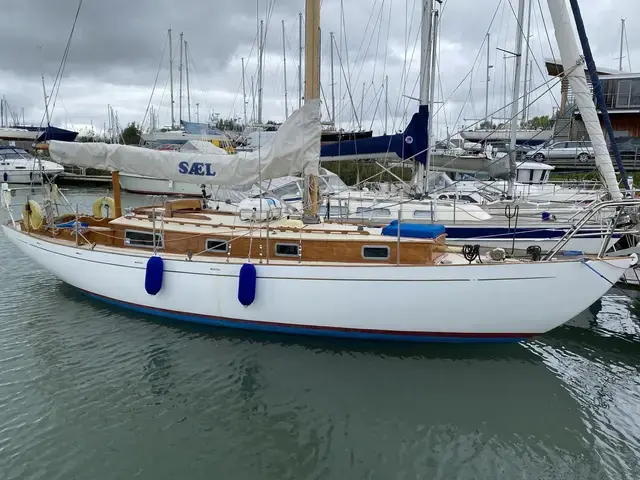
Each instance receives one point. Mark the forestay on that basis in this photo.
(295, 150)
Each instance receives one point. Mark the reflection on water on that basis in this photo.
(91, 391)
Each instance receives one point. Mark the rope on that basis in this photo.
(584, 262)
(471, 252)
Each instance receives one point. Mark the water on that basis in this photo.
(91, 391)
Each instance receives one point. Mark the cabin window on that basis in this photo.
(217, 246)
(133, 238)
(374, 212)
(287, 249)
(370, 252)
(287, 191)
(422, 214)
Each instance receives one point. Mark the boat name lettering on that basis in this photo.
(196, 168)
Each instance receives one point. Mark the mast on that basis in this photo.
(244, 95)
(432, 89)
(525, 94)
(386, 102)
(253, 101)
(333, 83)
(300, 60)
(284, 61)
(364, 85)
(515, 103)
(585, 99)
(621, 42)
(486, 90)
(186, 63)
(180, 71)
(260, 52)
(312, 89)
(425, 70)
(504, 86)
(2, 112)
(171, 79)
(46, 102)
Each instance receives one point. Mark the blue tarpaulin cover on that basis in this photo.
(414, 230)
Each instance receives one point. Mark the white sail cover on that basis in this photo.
(201, 146)
(295, 150)
(573, 64)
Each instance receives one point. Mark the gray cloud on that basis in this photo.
(117, 46)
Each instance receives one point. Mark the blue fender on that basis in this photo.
(153, 276)
(247, 284)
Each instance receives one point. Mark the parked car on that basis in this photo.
(629, 147)
(581, 151)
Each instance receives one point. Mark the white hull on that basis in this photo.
(501, 301)
(18, 134)
(538, 136)
(157, 186)
(589, 246)
(20, 176)
(31, 171)
(178, 136)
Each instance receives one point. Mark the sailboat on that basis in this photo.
(261, 270)
(537, 225)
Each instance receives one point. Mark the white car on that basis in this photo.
(581, 151)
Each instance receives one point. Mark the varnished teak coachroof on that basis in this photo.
(186, 227)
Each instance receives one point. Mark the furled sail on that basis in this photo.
(295, 150)
(573, 64)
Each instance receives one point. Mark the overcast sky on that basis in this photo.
(117, 47)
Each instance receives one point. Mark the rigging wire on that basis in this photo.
(58, 79)
(164, 49)
(480, 50)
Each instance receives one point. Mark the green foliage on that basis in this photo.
(542, 122)
(487, 125)
(131, 134)
(349, 171)
(229, 124)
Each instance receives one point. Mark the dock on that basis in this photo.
(83, 177)
(67, 178)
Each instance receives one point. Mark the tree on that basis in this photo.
(542, 122)
(226, 124)
(131, 134)
(487, 125)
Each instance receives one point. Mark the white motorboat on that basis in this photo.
(18, 166)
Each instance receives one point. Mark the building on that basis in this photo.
(622, 97)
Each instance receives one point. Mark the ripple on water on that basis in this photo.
(87, 389)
